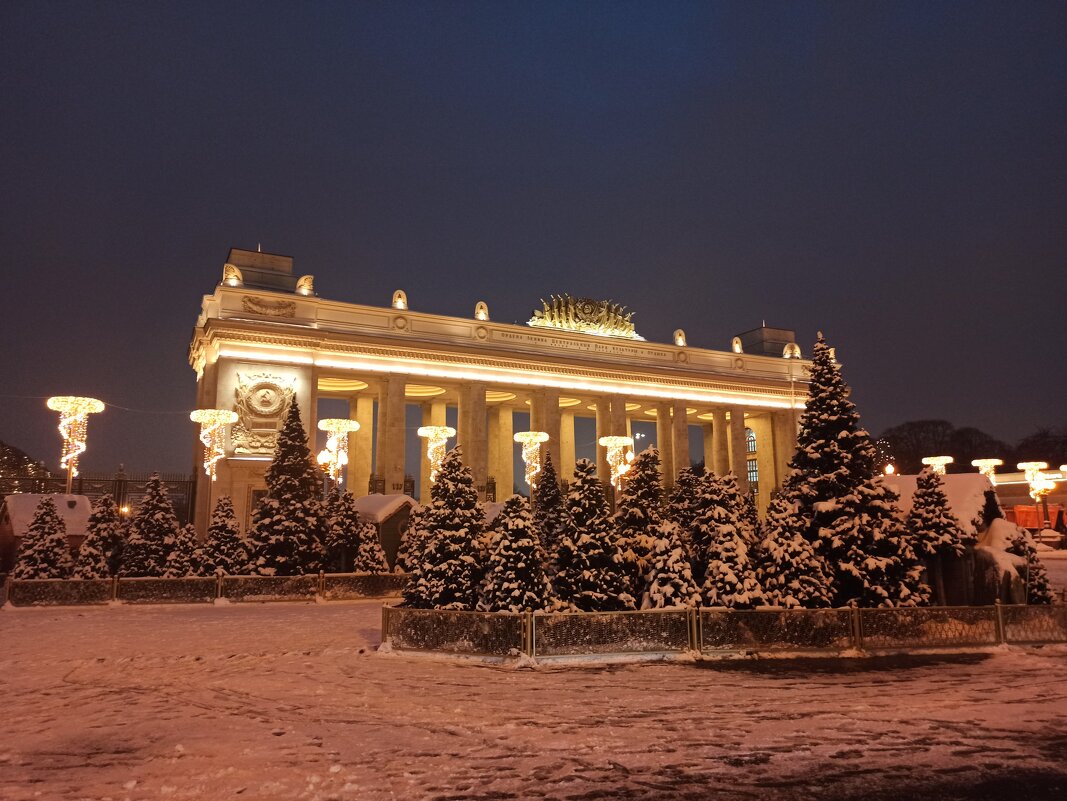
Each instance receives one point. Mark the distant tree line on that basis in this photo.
(905, 446)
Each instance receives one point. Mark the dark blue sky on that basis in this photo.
(892, 173)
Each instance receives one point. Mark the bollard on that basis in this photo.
(999, 607)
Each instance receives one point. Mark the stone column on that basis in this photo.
(472, 432)
(679, 436)
(310, 415)
(762, 427)
(502, 450)
(665, 443)
(709, 446)
(720, 445)
(618, 416)
(360, 444)
(381, 423)
(550, 422)
(392, 459)
(784, 444)
(565, 468)
(738, 447)
(603, 429)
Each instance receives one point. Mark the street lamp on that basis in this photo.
(988, 468)
(531, 453)
(213, 424)
(334, 456)
(938, 463)
(436, 438)
(619, 457)
(73, 418)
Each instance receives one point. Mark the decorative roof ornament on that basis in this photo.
(601, 317)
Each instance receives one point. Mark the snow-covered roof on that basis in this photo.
(380, 507)
(20, 507)
(965, 493)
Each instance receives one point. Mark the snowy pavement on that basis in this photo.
(289, 701)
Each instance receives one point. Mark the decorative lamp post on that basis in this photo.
(531, 453)
(988, 468)
(213, 424)
(938, 463)
(890, 469)
(334, 456)
(73, 419)
(619, 457)
(436, 438)
(1041, 486)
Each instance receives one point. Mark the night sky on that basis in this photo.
(894, 174)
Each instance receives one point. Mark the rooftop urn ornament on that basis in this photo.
(73, 418)
(213, 424)
(436, 438)
(988, 468)
(531, 453)
(481, 310)
(334, 456)
(938, 463)
(620, 454)
(679, 338)
(400, 299)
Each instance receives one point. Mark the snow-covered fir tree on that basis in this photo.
(589, 573)
(225, 551)
(742, 508)
(790, 572)
(639, 512)
(288, 526)
(153, 531)
(709, 509)
(351, 538)
(515, 578)
(183, 556)
(670, 583)
(44, 552)
(935, 532)
(851, 514)
(1039, 590)
(448, 573)
(411, 540)
(681, 505)
(103, 537)
(549, 507)
(729, 571)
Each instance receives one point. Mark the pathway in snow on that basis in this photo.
(290, 701)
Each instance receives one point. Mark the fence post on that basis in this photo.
(857, 627)
(694, 629)
(531, 635)
(999, 607)
(321, 591)
(114, 588)
(218, 585)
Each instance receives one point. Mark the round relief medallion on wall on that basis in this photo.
(266, 399)
(739, 364)
(481, 332)
(681, 356)
(400, 323)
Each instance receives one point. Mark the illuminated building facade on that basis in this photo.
(264, 338)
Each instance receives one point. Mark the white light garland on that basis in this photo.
(988, 468)
(436, 438)
(619, 457)
(531, 453)
(213, 424)
(73, 419)
(938, 463)
(334, 457)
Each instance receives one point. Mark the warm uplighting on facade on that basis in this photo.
(938, 463)
(620, 455)
(213, 424)
(334, 456)
(988, 468)
(531, 453)
(436, 438)
(73, 420)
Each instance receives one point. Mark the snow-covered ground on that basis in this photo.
(289, 701)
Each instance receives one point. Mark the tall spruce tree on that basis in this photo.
(448, 573)
(225, 551)
(103, 537)
(153, 531)
(792, 574)
(44, 552)
(670, 583)
(184, 554)
(729, 570)
(515, 579)
(549, 507)
(708, 510)
(288, 526)
(639, 513)
(850, 513)
(1038, 588)
(681, 505)
(935, 532)
(589, 570)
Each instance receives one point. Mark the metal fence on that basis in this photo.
(79, 592)
(711, 631)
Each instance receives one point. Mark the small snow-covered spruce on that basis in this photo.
(410, 541)
(935, 532)
(448, 573)
(225, 551)
(515, 578)
(682, 503)
(670, 583)
(792, 574)
(1039, 590)
(349, 535)
(709, 509)
(153, 531)
(183, 557)
(639, 512)
(103, 537)
(288, 526)
(589, 571)
(44, 552)
(549, 507)
(730, 573)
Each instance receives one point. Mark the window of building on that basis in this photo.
(753, 474)
(750, 440)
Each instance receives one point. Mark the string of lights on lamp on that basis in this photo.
(620, 455)
(213, 424)
(531, 453)
(334, 457)
(73, 421)
(436, 439)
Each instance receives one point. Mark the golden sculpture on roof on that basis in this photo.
(601, 317)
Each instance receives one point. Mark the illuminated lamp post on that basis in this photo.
(890, 469)
(213, 424)
(334, 456)
(988, 468)
(531, 454)
(73, 418)
(938, 463)
(436, 438)
(620, 454)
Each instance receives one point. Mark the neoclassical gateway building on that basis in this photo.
(264, 337)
